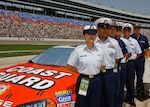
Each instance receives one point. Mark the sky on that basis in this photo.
(134, 6)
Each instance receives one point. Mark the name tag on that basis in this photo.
(142, 41)
(83, 88)
(115, 70)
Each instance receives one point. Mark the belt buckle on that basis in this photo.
(104, 70)
(91, 76)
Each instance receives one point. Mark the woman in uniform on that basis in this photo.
(87, 60)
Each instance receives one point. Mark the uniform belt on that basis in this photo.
(131, 60)
(123, 63)
(89, 76)
(108, 70)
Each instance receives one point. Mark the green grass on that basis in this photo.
(12, 47)
(18, 54)
(21, 50)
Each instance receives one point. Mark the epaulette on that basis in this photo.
(80, 46)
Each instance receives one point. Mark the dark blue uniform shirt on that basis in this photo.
(122, 46)
(143, 42)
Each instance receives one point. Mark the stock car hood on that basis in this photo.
(24, 83)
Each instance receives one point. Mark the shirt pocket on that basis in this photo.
(83, 61)
(98, 61)
(82, 58)
(99, 58)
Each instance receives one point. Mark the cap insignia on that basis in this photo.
(91, 27)
(106, 21)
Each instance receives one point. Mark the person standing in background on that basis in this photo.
(112, 55)
(136, 53)
(140, 62)
(88, 60)
(122, 69)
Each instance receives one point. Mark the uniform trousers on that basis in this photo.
(94, 93)
(140, 67)
(117, 88)
(123, 76)
(130, 82)
(108, 88)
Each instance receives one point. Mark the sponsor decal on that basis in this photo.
(5, 103)
(64, 96)
(32, 81)
(3, 88)
(68, 104)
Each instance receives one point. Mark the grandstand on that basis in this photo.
(70, 15)
(75, 9)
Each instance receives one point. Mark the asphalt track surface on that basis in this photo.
(6, 40)
(5, 62)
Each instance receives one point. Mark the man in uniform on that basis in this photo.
(140, 62)
(136, 52)
(112, 33)
(126, 50)
(112, 53)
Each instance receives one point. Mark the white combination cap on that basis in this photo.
(90, 29)
(103, 21)
(119, 25)
(137, 25)
(128, 26)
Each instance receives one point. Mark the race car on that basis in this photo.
(43, 81)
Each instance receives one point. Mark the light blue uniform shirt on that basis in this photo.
(87, 61)
(111, 50)
(135, 48)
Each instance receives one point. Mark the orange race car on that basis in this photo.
(44, 81)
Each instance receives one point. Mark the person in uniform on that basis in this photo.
(136, 53)
(122, 66)
(113, 30)
(140, 62)
(112, 53)
(112, 34)
(88, 60)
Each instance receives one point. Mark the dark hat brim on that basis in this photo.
(90, 31)
(127, 28)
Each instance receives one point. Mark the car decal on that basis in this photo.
(4, 103)
(64, 96)
(35, 81)
(67, 104)
(3, 88)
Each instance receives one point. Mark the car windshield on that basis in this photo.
(53, 56)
